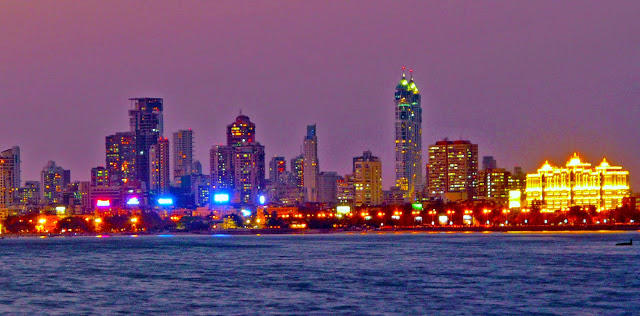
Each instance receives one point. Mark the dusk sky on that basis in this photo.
(526, 81)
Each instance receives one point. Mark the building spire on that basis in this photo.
(411, 73)
(403, 72)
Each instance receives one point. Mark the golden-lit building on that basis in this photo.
(367, 174)
(578, 184)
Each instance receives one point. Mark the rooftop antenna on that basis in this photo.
(411, 72)
(402, 71)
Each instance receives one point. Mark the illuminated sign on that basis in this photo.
(514, 198)
(245, 213)
(221, 198)
(60, 210)
(103, 203)
(417, 206)
(165, 201)
(262, 200)
(443, 219)
(133, 201)
(343, 209)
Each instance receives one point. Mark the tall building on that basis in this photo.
(311, 167)
(489, 163)
(182, 154)
(578, 184)
(297, 165)
(327, 187)
(30, 193)
(367, 173)
(408, 140)
(10, 177)
(100, 177)
(159, 167)
(238, 169)
(222, 172)
(277, 169)
(54, 179)
(453, 168)
(121, 157)
(146, 122)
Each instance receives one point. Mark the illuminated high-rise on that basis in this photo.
(577, 184)
(10, 177)
(146, 122)
(311, 167)
(182, 154)
(159, 167)
(121, 157)
(367, 174)
(408, 140)
(453, 168)
(54, 180)
(238, 168)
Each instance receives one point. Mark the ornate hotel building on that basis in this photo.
(578, 184)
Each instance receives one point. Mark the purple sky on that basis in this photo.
(527, 81)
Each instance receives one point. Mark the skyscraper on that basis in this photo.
(367, 173)
(182, 154)
(297, 165)
(10, 177)
(146, 122)
(408, 142)
(238, 169)
(121, 157)
(453, 167)
(159, 167)
(54, 180)
(311, 168)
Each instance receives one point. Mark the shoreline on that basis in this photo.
(397, 230)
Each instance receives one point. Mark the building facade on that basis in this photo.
(121, 157)
(54, 180)
(577, 184)
(10, 177)
(311, 167)
(146, 122)
(494, 184)
(327, 187)
(408, 137)
(453, 168)
(277, 169)
(159, 167)
(367, 174)
(182, 154)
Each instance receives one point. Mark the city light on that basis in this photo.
(343, 209)
(221, 198)
(262, 199)
(165, 201)
(245, 213)
(133, 201)
(103, 203)
(61, 210)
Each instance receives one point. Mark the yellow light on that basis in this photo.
(134, 220)
(42, 220)
(98, 220)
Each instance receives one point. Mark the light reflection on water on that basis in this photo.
(357, 273)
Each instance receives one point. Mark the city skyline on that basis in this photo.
(530, 86)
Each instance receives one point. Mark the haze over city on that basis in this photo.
(525, 81)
